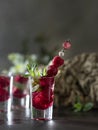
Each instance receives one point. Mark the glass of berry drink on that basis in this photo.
(42, 95)
(42, 86)
(20, 95)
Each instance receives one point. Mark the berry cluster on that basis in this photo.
(44, 98)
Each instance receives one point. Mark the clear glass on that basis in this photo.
(42, 99)
(20, 96)
(5, 95)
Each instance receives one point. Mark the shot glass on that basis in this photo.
(42, 95)
(20, 96)
(5, 95)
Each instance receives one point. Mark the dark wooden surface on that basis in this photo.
(62, 120)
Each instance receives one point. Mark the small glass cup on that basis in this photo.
(5, 95)
(42, 95)
(20, 97)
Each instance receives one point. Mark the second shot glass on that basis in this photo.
(21, 96)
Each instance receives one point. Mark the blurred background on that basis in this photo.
(40, 26)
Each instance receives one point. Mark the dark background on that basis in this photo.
(55, 20)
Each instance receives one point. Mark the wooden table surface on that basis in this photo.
(61, 121)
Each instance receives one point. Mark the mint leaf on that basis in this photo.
(78, 107)
(35, 71)
(88, 106)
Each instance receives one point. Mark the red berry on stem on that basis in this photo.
(52, 70)
(66, 45)
(57, 61)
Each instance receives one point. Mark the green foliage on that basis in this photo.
(78, 107)
(88, 106)
(20, 61)
(35, 71)
(82, 107)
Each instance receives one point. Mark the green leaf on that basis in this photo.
(35, 71)
(88, 106)
(78, 107)
(34, 88)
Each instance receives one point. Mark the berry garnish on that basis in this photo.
(57, 61)
(52, 70)
(66, 45)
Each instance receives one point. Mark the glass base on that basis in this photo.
(20, 108)
(5, 107)
(46, 114)
(19, 114)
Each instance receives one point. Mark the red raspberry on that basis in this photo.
(21, 79)
(18, 90)
(43, 99)
(4, 95)
(46, 81)
(57, 61)
(52, 70)
(66, 45)
(18, 93)
(4, 81)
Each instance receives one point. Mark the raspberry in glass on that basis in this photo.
(4, 95)
(4, 81)
(18, 93)
(41, 100)
(45, 81)
(44, 98)
(21, 79)
(18, 89)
